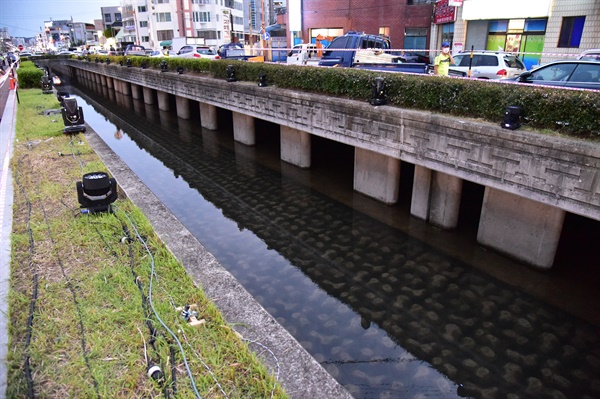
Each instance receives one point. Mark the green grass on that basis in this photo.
(90, 336)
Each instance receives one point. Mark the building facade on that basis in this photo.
(538, 30)
(407, 23)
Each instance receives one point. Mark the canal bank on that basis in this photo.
(437, 307)
(300, 375)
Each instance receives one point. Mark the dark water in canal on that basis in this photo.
(390, 306)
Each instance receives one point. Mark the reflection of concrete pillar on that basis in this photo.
(208, 116)
(419, 206)
(125, 88)
(520, 227)
(243, 128)
(444, 204)
(295, 146)
(136, 91)
(148, 95)
(163, 100)
(183, 107)
(376, 175)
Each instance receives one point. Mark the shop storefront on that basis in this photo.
(511, 25)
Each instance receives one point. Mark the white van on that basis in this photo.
(303, 54)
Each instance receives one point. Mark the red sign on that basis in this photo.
(443, 13)
(20, 47)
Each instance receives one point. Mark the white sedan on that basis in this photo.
(190, 51)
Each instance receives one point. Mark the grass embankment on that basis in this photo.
(84, 301)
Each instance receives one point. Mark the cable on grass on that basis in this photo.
(150, 286)
(202, 361)
(75, 302)
(152, 366)
(34, 292)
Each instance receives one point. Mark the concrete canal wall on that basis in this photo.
(530, 179)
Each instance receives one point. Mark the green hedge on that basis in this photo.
(571, 112)
(28, 75)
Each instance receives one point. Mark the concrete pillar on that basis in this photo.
(125, 88)
(376, 175)
(295, 147)
(520, 227)
(163, 100)
(444, 204)
(136, 92)
(243, 128)
(148, 95)
(103, 80)
(183, 107)
(208, 116)
(110, 83)
(117, 84)
(419, 206)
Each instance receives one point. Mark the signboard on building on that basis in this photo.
(443, 13)
(226, 26)
(455, 3)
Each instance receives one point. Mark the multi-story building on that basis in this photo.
(406, 22)
(539, 30)
(112, 20)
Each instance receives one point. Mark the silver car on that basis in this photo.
(489, 65)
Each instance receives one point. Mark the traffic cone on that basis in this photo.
(13, 83)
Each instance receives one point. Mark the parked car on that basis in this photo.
(575, 73)
(135, 50)
(489, 65)
(158, 53)
(194, 51)
(590, 55)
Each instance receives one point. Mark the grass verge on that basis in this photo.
(93, 298)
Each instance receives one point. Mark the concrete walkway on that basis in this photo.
(7, 134)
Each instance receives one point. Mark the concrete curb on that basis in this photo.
(7, 134)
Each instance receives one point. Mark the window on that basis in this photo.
(229, 4)
(448, 33)
(161, 1)
(570, 32)
(384, 30)
(143, 24)
(164, 35)
(107, 18)
(201, 1)
(238, 20)
(142, 9)
(415, 38)
(207, 34)
(145, 38)
(163, 17)
(201, 16)
(118, 17)
(411, 2)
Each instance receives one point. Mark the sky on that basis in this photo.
(24, 18)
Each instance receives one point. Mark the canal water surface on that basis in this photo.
(391, 307)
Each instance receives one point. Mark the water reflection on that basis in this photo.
(387, 315)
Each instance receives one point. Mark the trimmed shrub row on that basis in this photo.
(571, 112)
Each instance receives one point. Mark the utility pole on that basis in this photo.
(250, 19)
(262, 30)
